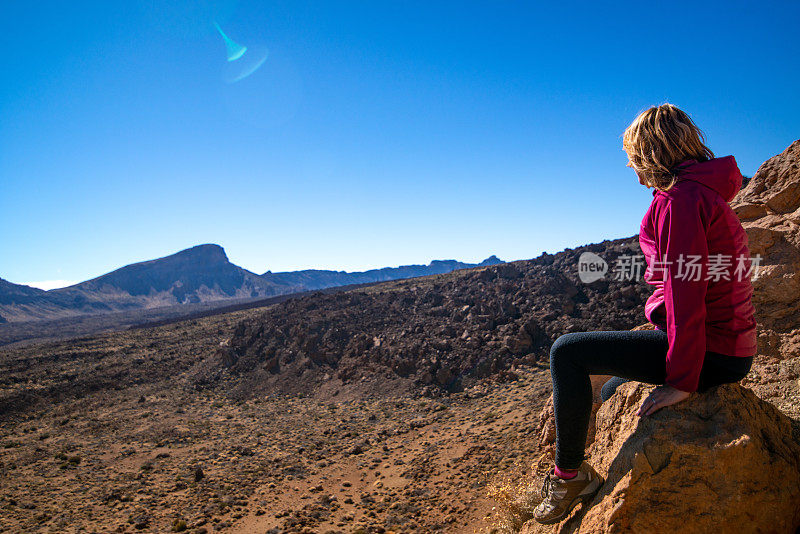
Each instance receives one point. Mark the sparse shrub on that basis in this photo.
(198, 474)
(513, 508)
(516, 497)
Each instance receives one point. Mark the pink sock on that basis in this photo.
(566, 474)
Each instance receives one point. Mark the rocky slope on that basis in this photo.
(438, 333)
(108, 434)
(769, 207)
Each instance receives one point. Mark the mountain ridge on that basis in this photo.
(320, 278)
(199, 274)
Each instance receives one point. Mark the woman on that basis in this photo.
(698, 260)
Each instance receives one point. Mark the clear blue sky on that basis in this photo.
(375, 134)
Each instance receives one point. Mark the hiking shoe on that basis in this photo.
(560, 496)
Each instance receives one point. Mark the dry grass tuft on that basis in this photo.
(516, 497)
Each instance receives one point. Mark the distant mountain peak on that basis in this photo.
(206, 253)
(491, 260)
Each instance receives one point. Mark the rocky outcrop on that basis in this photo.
(721, 461)
(769, 208)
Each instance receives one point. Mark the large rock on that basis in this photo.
(769, 208)
(722, 461)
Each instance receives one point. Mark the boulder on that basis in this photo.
(769, 208)
(721, 461)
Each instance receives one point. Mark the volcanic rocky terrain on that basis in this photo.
(388, 406)
(408, 406)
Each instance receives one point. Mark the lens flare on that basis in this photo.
(241, 69)
(242, 61)
(235, 50)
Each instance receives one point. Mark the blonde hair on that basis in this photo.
(660, 139)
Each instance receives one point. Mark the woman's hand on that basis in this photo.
(660, 397)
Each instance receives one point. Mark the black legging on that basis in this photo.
(630, 355)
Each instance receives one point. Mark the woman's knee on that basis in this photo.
(610, 387)
(563, 347)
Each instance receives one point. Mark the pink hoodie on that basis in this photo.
(700, 309)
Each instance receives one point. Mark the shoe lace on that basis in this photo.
(547, 487)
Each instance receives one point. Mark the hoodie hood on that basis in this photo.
(720, 174)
